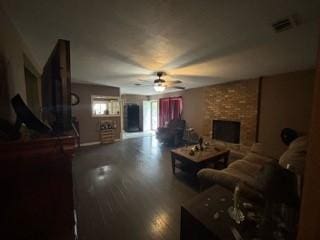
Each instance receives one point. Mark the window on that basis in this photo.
(105, 106)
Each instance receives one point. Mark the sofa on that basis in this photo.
(172, 134)
(247, 170)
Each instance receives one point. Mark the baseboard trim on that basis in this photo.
(89, 144)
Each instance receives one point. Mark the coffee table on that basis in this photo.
(199, 160)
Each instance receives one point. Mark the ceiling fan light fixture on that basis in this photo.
(159, 87)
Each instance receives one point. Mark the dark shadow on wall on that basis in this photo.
(4, 90)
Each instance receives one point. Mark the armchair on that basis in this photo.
(173, 133)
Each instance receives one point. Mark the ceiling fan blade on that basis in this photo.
(192, 77)
(169, 84)
(143, 84)
(173, 81)
(176, 87)
(172, 78)
(144, 80)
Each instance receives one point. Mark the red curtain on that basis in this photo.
(169, 109)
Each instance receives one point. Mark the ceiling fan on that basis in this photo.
(160, 84)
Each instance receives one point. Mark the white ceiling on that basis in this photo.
(200, 42)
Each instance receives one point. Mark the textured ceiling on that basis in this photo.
(200, 42)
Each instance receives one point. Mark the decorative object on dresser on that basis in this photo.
(75, 99)
(107, 131)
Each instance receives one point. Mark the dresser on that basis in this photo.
(37, 189)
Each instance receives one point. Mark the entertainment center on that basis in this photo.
(36, 158)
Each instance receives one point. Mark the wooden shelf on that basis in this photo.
(107, 135)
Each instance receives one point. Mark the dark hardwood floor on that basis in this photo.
(126, 190)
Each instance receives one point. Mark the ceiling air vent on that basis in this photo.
(284, 24)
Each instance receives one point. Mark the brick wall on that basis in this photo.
(236, 101)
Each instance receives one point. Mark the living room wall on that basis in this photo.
(13, 55)
(235, 101)
(89, 126)
(285, 102)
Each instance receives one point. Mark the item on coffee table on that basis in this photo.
(217, 149)
(196, 148)
(191, 153)
(234, 211)
(200, 143)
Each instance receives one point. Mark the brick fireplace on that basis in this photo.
(236, 101)
(227, 131)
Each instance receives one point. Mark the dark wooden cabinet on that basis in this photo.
(36, 189)
(131, 118)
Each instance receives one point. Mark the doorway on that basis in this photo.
(154, 115)
(150, 115)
